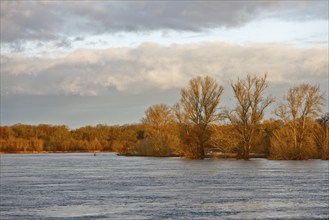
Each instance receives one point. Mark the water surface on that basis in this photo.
(81, 186)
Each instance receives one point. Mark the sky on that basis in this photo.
(81, 63)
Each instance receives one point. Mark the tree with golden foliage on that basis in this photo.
(300, 107)
(249, 112)
(161, 133)
(321, 133)
(197, 109)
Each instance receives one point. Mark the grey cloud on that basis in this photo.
(29, 20)
(302, 10)
(32, 20)
(17, 46)
(153, 67)
(79, 38)
(63, 43)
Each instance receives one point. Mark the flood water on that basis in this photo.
(81, 186)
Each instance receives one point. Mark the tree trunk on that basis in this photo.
(246, 152)
(201, 153)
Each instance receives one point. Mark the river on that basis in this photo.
(106, 186)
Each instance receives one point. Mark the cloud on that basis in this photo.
(63, 43)
(79, 38)
(154, 67)
(29, 20)
(53, 20)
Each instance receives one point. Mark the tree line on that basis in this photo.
(59, 138)
(197, 126)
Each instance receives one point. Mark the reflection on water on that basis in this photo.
(81, 186)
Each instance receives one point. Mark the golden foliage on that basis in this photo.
(161, 133)
(283, 147)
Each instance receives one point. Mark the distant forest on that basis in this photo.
(197, 127)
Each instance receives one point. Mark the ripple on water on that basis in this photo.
(80, 186)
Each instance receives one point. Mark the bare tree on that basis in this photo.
(198, 108)
(249, 112)
(302, 104)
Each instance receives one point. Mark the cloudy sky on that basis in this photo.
(104, 62)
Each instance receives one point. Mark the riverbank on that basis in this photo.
(211, 156)
(53, 152)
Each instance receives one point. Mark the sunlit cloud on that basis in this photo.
(152, 66)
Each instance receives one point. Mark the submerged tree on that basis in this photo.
(249, 112)
(300, 107)
(197, 109)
